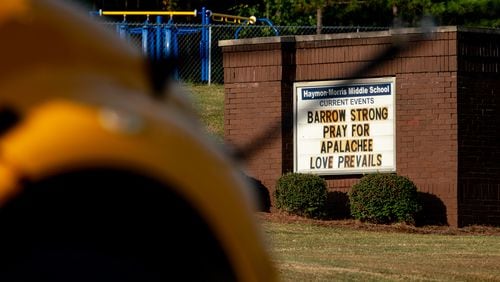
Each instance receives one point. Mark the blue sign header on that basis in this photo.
(332, 92)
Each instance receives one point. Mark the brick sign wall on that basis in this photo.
(446, 117)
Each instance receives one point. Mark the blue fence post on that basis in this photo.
(122, 29)
(167, 51)
(175, 51)
(205, 21)
(145, 38)
(171, 46)
(159, 42)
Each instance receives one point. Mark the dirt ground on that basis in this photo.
(277, 216)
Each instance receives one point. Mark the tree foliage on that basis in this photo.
(480, 13)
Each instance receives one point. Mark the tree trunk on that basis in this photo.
(319, 20)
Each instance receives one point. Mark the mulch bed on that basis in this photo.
(280, 217)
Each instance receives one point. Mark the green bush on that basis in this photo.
(301, 194)
(384, 198)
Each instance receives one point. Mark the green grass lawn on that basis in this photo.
(305, 252)
(209, 102)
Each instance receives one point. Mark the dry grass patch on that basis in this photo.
(304, 251)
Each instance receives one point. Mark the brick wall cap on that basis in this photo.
(320, 37)
(479, 30)
(257, 40)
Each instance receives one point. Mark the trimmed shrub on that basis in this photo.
(384, 198)
(301, 194)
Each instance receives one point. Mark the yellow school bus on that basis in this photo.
(100, 180)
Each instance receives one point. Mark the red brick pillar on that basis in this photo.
(257, 105)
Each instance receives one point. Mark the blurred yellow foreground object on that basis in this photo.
(99, 181)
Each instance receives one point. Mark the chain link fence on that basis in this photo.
(196, 46)
(224, 32)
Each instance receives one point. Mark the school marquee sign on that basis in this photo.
(344, 126)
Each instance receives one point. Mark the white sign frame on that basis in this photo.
(332, 86)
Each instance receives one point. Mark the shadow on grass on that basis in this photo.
(262, 194)
(338, 205)
(433, 210)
